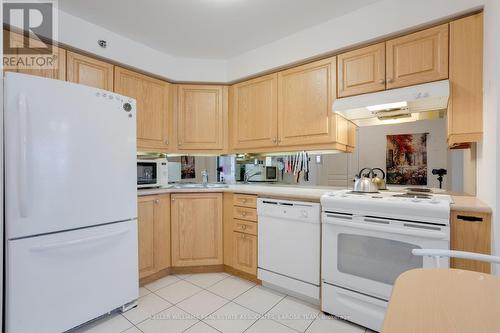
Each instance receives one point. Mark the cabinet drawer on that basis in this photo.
(245, 200)
(245, 226)
(244, 213)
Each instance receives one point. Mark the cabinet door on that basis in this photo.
(342, 129)
(197, 229)
(89, 71)
(361, 71)
(152, 107)
(154, 234)
(305, 97)
(200, 117)
(417, 58)
(254, 113)
(471, 232)
(146, 232)
(465, 110)
(351, 134)
(58, 55)
(245, 253)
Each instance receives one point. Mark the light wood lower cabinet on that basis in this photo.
(471, 232)
(245, 252)
(465, 109)
(89, 71)
(197, 230)
(154, 234)
(153, 121)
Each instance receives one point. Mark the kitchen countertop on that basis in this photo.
(461, 203)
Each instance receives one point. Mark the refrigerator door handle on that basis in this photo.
(23, 154)
(76, 242)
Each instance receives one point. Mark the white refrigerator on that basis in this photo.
(70, 203)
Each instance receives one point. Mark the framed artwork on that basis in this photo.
(406, 159)
(188, 167)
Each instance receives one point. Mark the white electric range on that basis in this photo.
(366, 244)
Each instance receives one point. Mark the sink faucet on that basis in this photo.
(204, 177)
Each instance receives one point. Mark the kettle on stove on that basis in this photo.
(379, 181)
(363, 183)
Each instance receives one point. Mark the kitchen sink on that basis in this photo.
(199, 185)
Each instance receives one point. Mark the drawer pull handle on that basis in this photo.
(244, 200)
(244, 213)
(470, 218)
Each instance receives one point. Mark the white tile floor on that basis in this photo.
(217, 302)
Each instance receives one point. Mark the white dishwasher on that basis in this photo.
(289, 247)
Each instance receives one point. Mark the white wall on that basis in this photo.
(382, 18)
(372, 144)
(377, 20)
(488, 153)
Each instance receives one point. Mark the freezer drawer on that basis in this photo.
(58, 281)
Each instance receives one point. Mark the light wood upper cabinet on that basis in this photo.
(197, 230)
(201, 117)
(465, 109)
(153, 122)
(361, 71)
(417, 58)
(245, 252)
(305, 97)
(89, 71)
(154, 234)
(471, 232)
(254, 113)
(58, 55)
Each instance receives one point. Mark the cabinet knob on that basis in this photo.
(244, 213)
(179, 143)
(244, 200)
(166, 141)
(243, 227)
(390, 80)
(173, 199)
(381, 81)
(279, 140)
(157, 201)
(274, 140)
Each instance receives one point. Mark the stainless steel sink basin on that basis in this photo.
(210, 185)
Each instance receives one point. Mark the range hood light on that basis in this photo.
(387, 106)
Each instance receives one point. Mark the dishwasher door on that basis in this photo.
(289, 239)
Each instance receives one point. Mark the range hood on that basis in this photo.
(395, 105)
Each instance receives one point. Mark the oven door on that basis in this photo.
(147, 174)
(367, 254)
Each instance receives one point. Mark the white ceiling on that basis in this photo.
(209, 29)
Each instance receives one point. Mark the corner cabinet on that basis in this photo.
(152, 96)
(201, 118)
(254, 116)
(197, 230)
(89, 71)
(465, 110)
(154, 234)
(305, 98)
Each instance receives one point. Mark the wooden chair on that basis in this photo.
(437, 300)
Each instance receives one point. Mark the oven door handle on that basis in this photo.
(402, 231)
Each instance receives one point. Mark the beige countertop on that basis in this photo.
(461, 203)
(469, 204)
